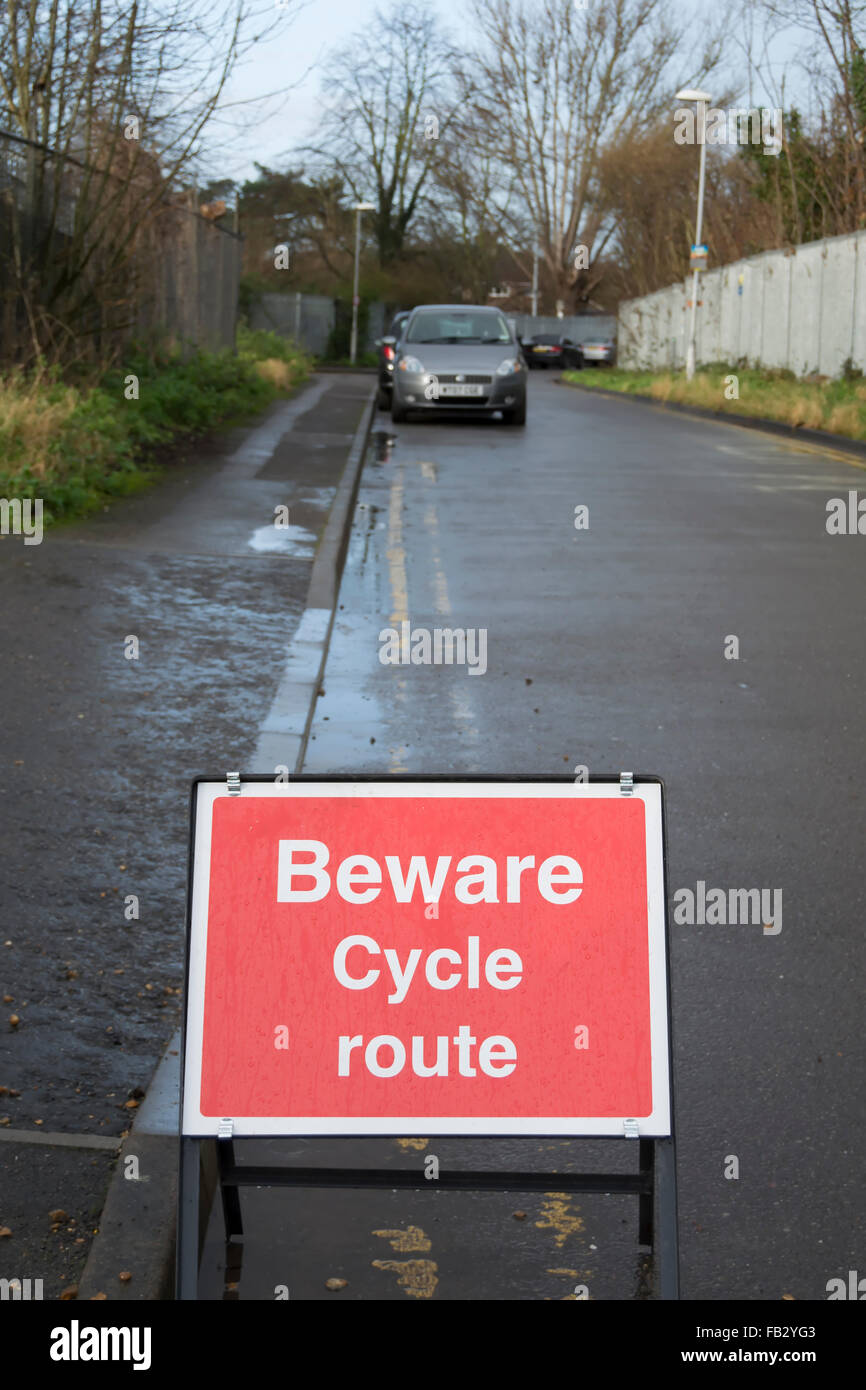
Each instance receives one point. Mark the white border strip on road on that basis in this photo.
(282, 740)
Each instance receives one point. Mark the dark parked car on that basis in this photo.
(552, 350)
(387, 352)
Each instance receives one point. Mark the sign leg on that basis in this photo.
(668, 1251)
(230, 1194)
(186, 1285)
(646, 1200)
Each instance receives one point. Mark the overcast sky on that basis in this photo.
(297, 56)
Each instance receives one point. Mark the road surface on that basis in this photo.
(606, 647)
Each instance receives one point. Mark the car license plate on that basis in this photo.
(461, 390)
(544, 349)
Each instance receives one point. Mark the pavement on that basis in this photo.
(98, 752)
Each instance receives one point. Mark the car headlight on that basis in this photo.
(509, 366)
(410, 364)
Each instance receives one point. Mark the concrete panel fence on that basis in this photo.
(803, 308)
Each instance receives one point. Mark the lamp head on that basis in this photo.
(692, 94)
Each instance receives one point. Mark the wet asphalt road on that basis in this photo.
(605, 648)
(98, 752)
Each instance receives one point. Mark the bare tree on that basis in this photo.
(649, 189)
(103, 109)
(818, 187)
(471, 191)
(388, 102)
(555, 83)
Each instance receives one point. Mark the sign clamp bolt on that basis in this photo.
(631, 1129)
(225, 1129)
(626, 783)
(233, 782)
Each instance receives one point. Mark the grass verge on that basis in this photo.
(75, 445)
(838, 406)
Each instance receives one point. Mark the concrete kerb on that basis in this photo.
(355, 371)
(283, 737)
(137, 1227)
(793, 433)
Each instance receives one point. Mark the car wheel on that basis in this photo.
(516, 416)
(399, 413)
(383, 399)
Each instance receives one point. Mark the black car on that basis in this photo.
(552, 350)
(387, 351)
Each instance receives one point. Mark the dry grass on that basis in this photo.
(806, 410)
(702, 390)
(662, 388)
(824, 404)
(281, 375)
(848, 420)
(29, 424)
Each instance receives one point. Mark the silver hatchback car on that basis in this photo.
(461, 357)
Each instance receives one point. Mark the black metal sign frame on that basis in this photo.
(207, 1164)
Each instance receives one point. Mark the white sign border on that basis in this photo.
(653, 1126)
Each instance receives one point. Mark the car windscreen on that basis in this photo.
(398, 325)
(458, 326)
(545, 338)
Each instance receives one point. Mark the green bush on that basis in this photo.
(259, 344)
(74, 445)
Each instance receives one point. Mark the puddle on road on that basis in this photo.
(282, 540)
(382, 445)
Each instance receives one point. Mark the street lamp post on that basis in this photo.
(702, 99)
(359, 208)
(535, 280)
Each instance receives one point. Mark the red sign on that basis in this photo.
(470, 958)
